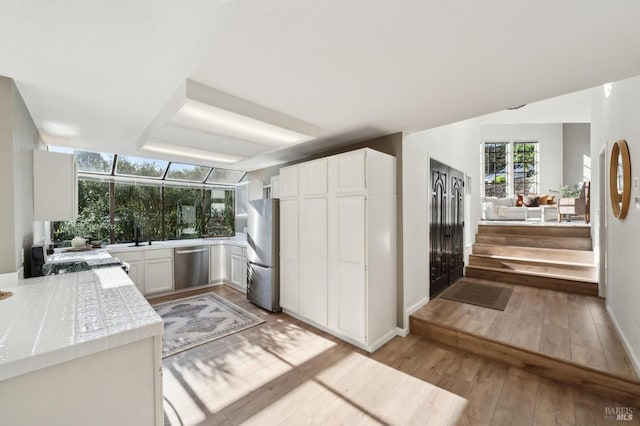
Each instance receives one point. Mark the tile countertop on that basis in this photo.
(57, 318)
(238, 240)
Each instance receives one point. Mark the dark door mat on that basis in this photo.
(489, 296)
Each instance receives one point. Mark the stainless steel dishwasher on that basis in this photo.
(191, 266)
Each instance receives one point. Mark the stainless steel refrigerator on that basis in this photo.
(263, 253)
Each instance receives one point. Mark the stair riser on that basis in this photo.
(524, 266)
(542, 242)
(545, 254)
(535, 230)
(569, 286)
(562, 371)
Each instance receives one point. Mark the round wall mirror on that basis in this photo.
(620, 179)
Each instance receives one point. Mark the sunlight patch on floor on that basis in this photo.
(360, 390)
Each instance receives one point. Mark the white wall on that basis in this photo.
(18, 138)
(549, 137)
(614, 118)
(576, 142)
(458, 146)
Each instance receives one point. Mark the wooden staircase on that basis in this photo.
(553, 257)
(558, 258)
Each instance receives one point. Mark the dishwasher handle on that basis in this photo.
(191, 251)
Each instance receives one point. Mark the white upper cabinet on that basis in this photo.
(349, 172)
(55, 186)
(313, 177)
(289, 181)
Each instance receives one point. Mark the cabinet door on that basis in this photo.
(348, 172)
(289, 261)
(350, 265)
(314, 255)
(55, 186)
(237, 266)
(289, 182)
(216, 263)
(313, 179)
(158, 274)
(136, 274)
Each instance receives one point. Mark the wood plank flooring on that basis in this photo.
(286, 372)
(571, 327)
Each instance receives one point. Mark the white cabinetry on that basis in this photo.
(150, 270)
(55, 186)
(289, 255)
(338, 245)
(217, 263)
(237, 268)
(135, 259)
(289, 182)
(158, 271)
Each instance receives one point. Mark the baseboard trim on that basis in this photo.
(632, 356)
(402, 332)
(410, 310)
(369, 348)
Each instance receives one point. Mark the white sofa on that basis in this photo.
(494, 208)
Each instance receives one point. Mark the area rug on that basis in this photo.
(196, 320)
(489, 296)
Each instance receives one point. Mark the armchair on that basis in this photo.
(577, 206)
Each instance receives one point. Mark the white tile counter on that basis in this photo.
(239, 241)
(53, 319)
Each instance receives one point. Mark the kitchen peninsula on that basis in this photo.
(69, 342)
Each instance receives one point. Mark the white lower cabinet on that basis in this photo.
(238, 268)
(150, 270)
(313, 289)
(217, 263)
(135, 260)
(289, 257)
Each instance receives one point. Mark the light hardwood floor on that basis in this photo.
(286, 372)
(567, 326)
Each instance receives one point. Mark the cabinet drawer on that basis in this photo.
(158, 254)
(236, 250)
(128, 256)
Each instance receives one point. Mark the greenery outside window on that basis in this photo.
(147, 194)
(495, 169)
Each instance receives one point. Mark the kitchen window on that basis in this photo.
(167, 200)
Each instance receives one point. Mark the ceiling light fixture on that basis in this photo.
(195, 153)
(209, 111)
(516, 107)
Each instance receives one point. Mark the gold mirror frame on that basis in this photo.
(620, 201)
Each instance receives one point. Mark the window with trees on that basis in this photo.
(495, 169)
(167, 200)
(510, 168)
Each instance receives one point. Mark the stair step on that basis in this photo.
(574, 257)
(541, 280)
(567, 243)
(533, 229)
(599, 382)
(556, 269)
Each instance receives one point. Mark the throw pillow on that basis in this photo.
(519, 201)
(543, 200)
(530, 201)
(551, 199)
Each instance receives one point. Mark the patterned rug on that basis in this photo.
(196, 320)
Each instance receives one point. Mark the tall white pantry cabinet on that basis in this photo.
(338, 245)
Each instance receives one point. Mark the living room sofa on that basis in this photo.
(494, 208)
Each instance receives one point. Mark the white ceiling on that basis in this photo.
(98, 72)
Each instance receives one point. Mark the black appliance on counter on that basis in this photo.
(39, 255)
